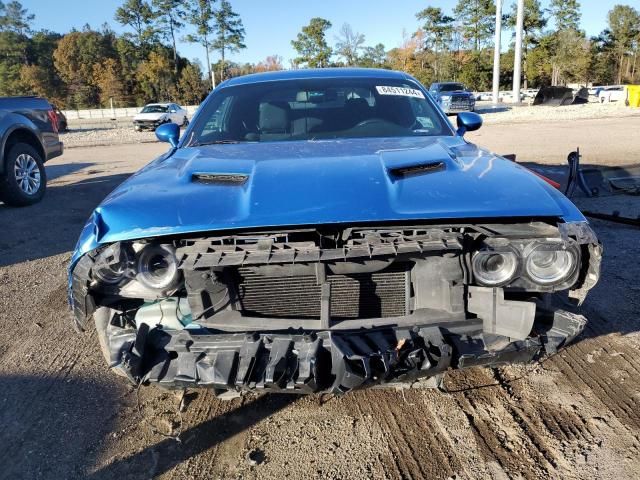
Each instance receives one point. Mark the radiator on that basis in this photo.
(363, 295)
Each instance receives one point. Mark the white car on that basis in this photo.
(155, 114)
(612, 94)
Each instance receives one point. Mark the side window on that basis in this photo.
(216, 122)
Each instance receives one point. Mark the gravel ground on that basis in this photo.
(82, 136)
(87, 137)
(64, 415)
(531, 114)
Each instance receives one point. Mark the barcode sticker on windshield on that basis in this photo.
(404, 92)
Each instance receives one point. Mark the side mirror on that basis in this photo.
(168, 132)
(468, 122)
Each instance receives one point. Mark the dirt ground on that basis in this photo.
(63, 415)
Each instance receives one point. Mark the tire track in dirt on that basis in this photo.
(504, 436)
(404, 453)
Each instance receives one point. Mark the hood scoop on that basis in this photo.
(417, 169)
(219, 178)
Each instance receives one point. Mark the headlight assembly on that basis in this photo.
(157, 267)
(524, 264)
(112, 264)
(493, 268)
(548, 264)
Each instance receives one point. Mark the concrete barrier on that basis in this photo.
(115, 113)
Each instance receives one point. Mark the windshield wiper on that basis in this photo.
(216, 142)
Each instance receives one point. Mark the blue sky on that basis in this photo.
(271, 25)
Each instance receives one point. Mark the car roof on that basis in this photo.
(305, 73)
(158, 104)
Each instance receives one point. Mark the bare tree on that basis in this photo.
(348, 44)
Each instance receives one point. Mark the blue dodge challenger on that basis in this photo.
(326, 230)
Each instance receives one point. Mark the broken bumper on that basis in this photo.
(324, 361)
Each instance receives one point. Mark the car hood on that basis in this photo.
(150, 116)
(320, 182)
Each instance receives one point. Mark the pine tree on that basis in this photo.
(566, 14)
(311, 44)
(200, 15)
(229, 32)
(138, 15)
(170, 16)
(477, 20)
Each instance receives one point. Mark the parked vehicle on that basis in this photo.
(28, 138)
(612, 94)
(325, 230)
(155, 114)
(453, 97)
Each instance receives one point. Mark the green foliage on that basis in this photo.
(200, 15)
(191, 87)
(138, 15)
(373, 57)
(92, 67)
(311, 44)
(437, 28)
(566, 14)
(230, 33)
(477, 20)
(14, 18)
(170, 16)
(624, 28)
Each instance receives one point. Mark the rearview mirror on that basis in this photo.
(468, 122)
(168, 132)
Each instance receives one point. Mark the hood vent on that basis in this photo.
(408, 170)
(219, 178)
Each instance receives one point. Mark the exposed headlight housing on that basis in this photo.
(494, 268)
(112, 265)
(157, 267)
(540, 264)
(549, 264)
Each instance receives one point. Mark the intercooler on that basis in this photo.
(361, 295)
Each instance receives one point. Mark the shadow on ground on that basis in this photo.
(163, 456)
(55, 171)
(52, 426)
(27, 232)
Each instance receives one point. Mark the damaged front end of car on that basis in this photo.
(333, 308)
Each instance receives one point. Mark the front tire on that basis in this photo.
(25, 179)
(185, 122)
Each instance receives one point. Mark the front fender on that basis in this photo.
(9, 123)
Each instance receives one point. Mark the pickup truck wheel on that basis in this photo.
(25, 179)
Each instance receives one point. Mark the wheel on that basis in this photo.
(25, 179)
(137, 129)
(185, 122)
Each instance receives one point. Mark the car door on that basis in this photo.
(173, 113)
(181, 113)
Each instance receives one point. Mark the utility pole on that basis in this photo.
(496, 52)
(517, 63)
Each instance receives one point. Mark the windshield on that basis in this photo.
(155, 109)
(451, 87)
(316, 109)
